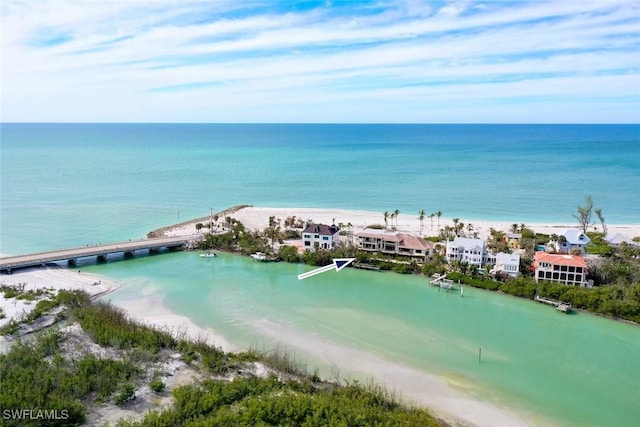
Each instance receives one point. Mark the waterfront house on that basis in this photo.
(507, 264)
(394, 243)
(570, 240)
(320, 236)
(468, 250)
(561, 268)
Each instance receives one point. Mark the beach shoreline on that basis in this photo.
(257, 218)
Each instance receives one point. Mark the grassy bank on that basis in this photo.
(108, 360)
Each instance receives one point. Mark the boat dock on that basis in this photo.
(366, 266)
(564, 307)
(441, 281)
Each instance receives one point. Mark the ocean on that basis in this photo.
(75, 184)
(66, 185)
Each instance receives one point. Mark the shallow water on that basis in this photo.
(574, 369)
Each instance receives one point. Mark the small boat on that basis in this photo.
(209, 254)
(259, 256)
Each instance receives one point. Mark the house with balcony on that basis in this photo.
(394, 243)
(561, 268)
(467, 250)
(320, 236)
(474, 252)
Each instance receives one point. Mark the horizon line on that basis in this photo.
(331, 123)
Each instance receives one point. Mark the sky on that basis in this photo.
(246, 61)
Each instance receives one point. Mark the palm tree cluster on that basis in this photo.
(390, 216)
(422, 215)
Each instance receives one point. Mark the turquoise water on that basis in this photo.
(67, 185)
(73, 184)
(574, 369)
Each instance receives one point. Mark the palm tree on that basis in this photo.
(421, 218)
(514, 228)
(522, 227)
(601, 218)
(395, 214)
(386, 218)
(469, 228)
(431, 218)
(439, 214)
(391, 216)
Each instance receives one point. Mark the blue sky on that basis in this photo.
(387, 61)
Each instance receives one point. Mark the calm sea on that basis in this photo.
(67, 184)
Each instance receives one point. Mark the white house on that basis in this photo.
(507, 263)
(320, 236)
(617, 239)
(573, 240)
(474, 252)
(467, 250)
(374, 240)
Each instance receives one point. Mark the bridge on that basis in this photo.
(100, 251)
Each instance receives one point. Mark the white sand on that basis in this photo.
(50, 278)
(258, 218)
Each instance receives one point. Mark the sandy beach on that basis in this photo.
(257, 218)
(49, 278)
(449, 401)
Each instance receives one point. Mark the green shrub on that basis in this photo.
(126, 394)
(157, 385)
(289, 253)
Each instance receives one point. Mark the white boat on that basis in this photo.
(259, 256)
(209, 254)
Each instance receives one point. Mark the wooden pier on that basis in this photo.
(564, 307)
(7, 264)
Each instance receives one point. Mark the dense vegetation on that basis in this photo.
(619, 300)
(34, 376)
(38, 375)
(270, 401)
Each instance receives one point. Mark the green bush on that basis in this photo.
(289, 253)
(157, 385)
(126, 394)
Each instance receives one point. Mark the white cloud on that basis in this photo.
(127, 57)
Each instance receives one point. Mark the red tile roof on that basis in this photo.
(557, 259)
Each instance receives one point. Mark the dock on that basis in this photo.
(363, 266)
(441, 281)
(7, 264)
(564, 307)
